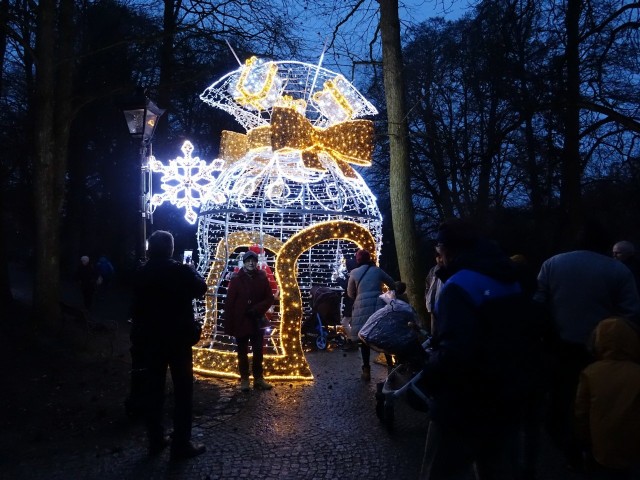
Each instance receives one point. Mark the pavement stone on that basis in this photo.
(320, 429)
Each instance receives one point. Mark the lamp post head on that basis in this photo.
(141, 115)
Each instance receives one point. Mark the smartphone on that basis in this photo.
(187, 257)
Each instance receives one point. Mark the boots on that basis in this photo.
(244, 384)
(260, 384)
(366, 373)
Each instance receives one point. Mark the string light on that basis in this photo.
(259, 85)
(334, 101)
(291, 362)
(287, 185)
(185, 181)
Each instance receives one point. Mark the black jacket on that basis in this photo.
(162, 307)
(483, 344)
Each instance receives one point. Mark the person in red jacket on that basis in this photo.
(249, 296)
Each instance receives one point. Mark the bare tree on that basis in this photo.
(402, 213)
(53, 117)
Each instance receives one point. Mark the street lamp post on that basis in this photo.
(142, 116)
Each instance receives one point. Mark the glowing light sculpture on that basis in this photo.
(184, 181)
(286, 184)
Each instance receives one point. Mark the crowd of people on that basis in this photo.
(517, 353)
(513, 351)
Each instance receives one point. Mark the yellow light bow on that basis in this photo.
(234, 145)
(347, 142)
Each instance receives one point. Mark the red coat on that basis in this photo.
(246, 292)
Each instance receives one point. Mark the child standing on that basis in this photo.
(607, 409)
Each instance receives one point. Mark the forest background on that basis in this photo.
(521, 115)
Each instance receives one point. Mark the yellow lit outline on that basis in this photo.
(331, 87)
(292, 364)
(255, 99)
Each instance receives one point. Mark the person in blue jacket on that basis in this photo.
(476, 375)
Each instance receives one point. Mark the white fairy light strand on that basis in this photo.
(287, 186)
(185, 181)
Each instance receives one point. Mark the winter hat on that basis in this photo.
(249, 254)
(363, 257)
(255, 248)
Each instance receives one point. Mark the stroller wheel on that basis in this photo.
(321, 342)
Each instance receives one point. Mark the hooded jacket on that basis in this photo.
(484, 342)
(607, 408)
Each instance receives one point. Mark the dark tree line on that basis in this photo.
(524, 116)
(69, 171)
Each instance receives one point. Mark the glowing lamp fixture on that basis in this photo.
(141, 115)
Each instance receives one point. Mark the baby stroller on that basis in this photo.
(321, 327)
(393, 330)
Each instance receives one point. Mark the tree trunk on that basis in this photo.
(53, 117)
(6, 298)
(399, 179)
(570, 193)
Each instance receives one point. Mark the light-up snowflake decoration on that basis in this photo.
(185, 181)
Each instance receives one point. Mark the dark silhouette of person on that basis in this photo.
(105, 270)
(624, 251)
(477, 370)
(87, 277)
(579, 289)
(163, 331)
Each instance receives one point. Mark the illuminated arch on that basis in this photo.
(218, 266)
(292, 364)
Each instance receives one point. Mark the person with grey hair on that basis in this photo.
(578, 289)
(162, 334)
(624, 251)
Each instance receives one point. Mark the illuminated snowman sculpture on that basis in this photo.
(286, 186)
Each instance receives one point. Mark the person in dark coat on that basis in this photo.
(163, 331)
(624, 251)
(365, 287)
(87, 277)
(477, 371)
(249, 296)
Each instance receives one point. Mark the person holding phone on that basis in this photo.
(162, 334)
